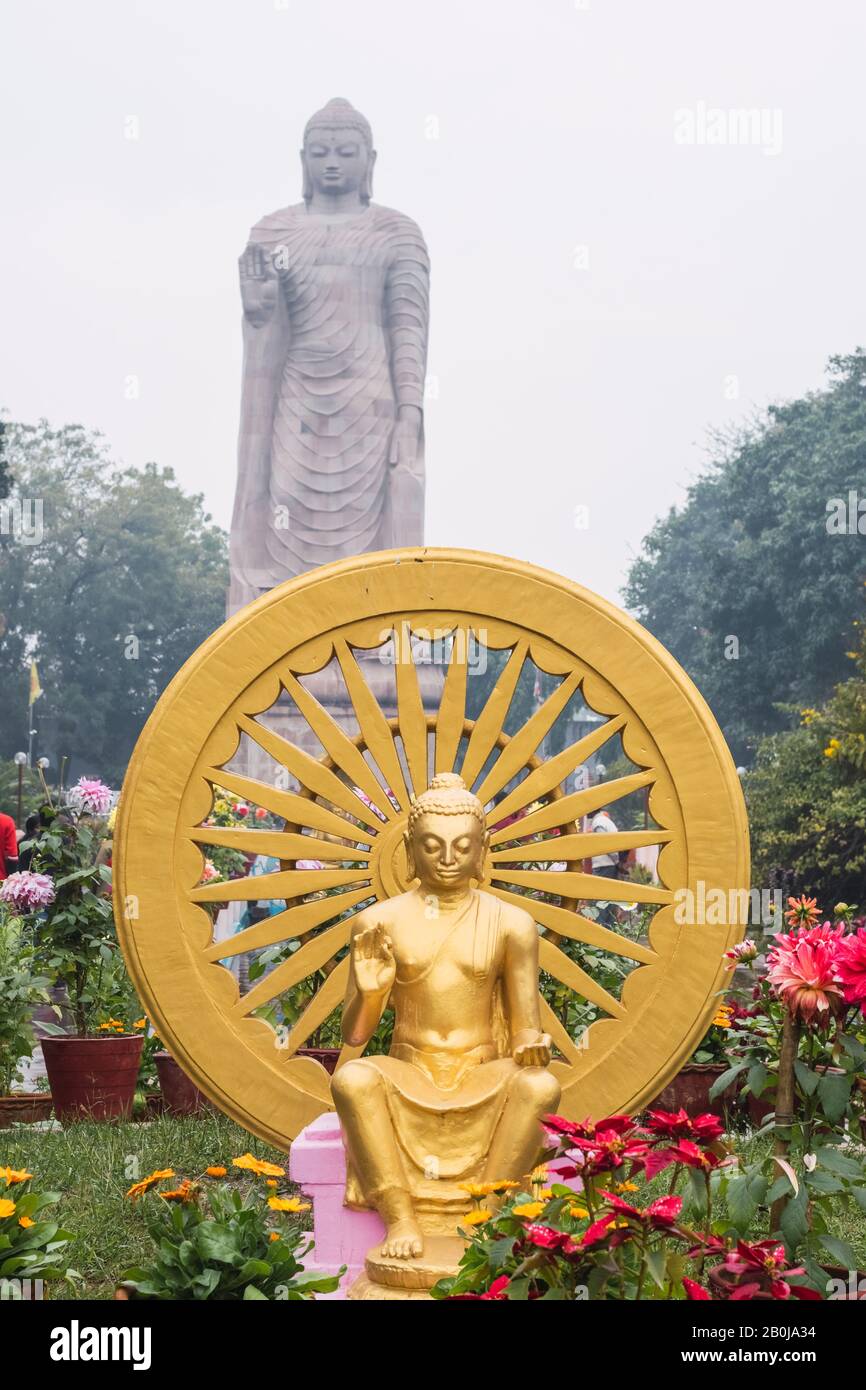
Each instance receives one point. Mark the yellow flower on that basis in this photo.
(501, 1185)
(13, 1175)
(626, 1187)
(529, 1209)
(25, 1221)
(477, 1217)
(258, 1165)
(140, 1023)
(476, 1189)
(808, 715)
(539, 1174)
(832, 748)
(293, 1204)
(578, 1213)
(216, 1171)
(7, 1208)
(545, 1194)
(157, 1176)
(271, 1182)
(275, 1235)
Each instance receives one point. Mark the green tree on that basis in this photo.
(748, 583)
(126, 579)
(807, 797)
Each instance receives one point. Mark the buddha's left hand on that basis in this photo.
(534, 1053)
(404, 436)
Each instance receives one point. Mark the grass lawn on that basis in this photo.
(93, 1166)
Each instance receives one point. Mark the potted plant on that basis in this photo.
(93, 1072)
(21, 992)
(213, 1242)
(691, 1088)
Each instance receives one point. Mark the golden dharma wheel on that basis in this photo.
(575, 677)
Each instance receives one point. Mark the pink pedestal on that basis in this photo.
(317, 1163)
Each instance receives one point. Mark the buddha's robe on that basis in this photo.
(323, 380)
(444, 1107)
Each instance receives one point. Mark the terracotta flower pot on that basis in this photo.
(328, 1056)
(25, 1108)
(93, 1078)
(180, 1095)
(690, 1091)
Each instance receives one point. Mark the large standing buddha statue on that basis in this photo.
(335, 301)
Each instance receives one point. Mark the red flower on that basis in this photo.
(851, 968)
(685, 1152)
(696, 1292)
(660, 1215)
(676, 1124)
(802, 911)
(569, 1129)
(260, 813)
(766, 1260)
(546, 1238)
(495, 1294)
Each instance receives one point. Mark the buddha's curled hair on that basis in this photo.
(447, 795)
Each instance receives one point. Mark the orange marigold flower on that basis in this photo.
(293, 1204)
(275, 1235)
(802, 911)
(185, 1193)
(7, 1208)
(152, 1178)
(13, 1175)
(216, 1171)
(529, 1209)
(259, 1166)
(26, 1221)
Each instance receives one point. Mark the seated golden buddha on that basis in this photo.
(460, 1096)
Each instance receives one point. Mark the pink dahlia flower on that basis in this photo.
(91, 795)
(802, 971)
(851, 968)
(27, 892)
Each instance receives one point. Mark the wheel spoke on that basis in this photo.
(310, 773)
(294, 809)
(590, 886)
(579, 928)
(568, 809)
(517, 752)
(374, 727)
(544, 779)
(584, 846)
(320, 1007)
(452, 706)
(488, 725)
(411, 718)
(290, 883)
(290, 972)
(292, 921)
(562, 1039)
(277, 844)
(336, 743)
(568, 972)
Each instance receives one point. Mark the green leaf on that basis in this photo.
(251, 1292)
(807, 1078)
(723, 1082)
(830, 1157)
(758, 1078)
(834, 1093)
(215, 1241)
(839, 1251)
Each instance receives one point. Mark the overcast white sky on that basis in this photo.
(596, 282)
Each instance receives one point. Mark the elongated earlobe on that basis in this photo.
(307, 185)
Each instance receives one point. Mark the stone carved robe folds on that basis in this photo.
(445, 1108)
(323, 379)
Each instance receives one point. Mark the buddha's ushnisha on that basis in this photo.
(461, 1094)
(335, 299)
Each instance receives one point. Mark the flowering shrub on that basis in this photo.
(551, 1242)
(215, 1242)
(27, 892)
(31, 1245)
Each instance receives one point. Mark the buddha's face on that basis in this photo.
(336, 160)
(447, 851)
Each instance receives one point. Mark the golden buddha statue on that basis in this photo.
(461, 1094)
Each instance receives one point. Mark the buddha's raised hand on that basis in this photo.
(373, 961)
(260, 283)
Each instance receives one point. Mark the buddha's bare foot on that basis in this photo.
(403, 1241)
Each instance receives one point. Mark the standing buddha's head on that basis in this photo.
(338, 154)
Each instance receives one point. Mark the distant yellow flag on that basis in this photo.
(35, 687)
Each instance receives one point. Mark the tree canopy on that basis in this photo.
(753, 582)
(126, 577)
